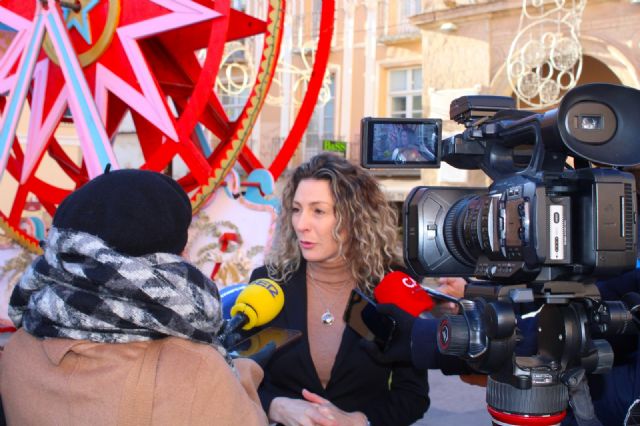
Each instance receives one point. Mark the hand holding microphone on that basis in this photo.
(401, 298)
(259, 303)
(403, 291)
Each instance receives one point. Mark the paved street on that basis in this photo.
(454, 402)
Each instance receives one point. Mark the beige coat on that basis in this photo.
(76, 382)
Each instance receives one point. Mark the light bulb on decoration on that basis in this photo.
(533, 54)
(299, 78)
(237, 72)
(565, 53)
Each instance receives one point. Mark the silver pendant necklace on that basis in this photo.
(327, 317)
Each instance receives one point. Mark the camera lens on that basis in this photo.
(590, 122)
(467, 227)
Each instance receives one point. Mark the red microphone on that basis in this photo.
(404, 292)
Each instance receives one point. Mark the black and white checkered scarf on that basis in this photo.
(81, 289)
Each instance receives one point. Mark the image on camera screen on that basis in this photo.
(402, 142)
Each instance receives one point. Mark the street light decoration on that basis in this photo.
(545, 58)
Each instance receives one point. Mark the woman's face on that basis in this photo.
(313, 219)
(404, 138)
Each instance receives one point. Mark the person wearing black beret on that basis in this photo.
(114, 327)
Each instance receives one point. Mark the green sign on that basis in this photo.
(334, 146)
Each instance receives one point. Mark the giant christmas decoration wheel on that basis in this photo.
(93, 61)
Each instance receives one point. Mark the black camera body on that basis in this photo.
(539, 220)
(542, 233)
(572, 225)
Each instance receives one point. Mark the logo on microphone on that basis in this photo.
(409, 282)
(269, 285)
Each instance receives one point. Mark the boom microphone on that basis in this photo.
(259, 302)
(403, 291)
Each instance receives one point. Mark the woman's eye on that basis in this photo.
(318, 211)
(295, 209)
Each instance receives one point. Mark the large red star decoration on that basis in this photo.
(93, 61)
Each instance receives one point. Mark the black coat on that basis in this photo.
(614, 392)
(387, 395)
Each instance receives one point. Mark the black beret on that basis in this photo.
(136, 212)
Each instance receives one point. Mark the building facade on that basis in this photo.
(392, 58)
(410, 58)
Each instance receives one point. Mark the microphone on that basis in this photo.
(403, 291)
(260, 302)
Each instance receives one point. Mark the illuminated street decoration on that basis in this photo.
(545, 59)
(235, 77)
(300, 77)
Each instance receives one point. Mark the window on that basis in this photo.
(233, 104)
(321, 125)
(239, 4)
(405, 93)
(409, 8)
(315, 18)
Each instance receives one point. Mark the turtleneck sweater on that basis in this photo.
(329, 285)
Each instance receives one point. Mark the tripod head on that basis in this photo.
(570, 327)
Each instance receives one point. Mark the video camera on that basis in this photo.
(545, 229)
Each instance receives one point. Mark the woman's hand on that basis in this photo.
(298, 412)
(453, 286)
(342, 418)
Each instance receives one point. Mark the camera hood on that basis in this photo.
(599, 122)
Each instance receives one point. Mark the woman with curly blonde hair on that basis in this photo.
(371, 244)
(335, 232)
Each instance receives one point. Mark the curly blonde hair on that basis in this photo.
(371, 246)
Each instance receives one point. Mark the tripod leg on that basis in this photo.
(580, 398)
(633, 415)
